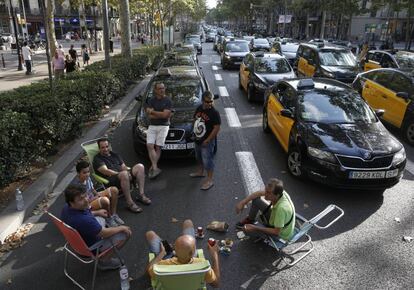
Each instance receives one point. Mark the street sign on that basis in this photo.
(285, 18)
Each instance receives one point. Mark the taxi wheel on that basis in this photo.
(409, 132)
(265, 122)
(294, 162)
(251, 92)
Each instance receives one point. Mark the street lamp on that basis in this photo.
(12, 12)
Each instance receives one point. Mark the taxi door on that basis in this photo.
(372, 61)
(370, 64)
(244, 74)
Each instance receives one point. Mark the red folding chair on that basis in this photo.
(77, 247)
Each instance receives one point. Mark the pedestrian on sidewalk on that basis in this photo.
(77, 214)
(159, 110)
(207, 123)
(70, 64)
(58, 64)
(111, 45)
(60, 51)
(27, 57)
(73, 54)
(85, 54)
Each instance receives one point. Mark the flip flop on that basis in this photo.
(195, 174)
(143, 199)
(207, 185)
(134, 208)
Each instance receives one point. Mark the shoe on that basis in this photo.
(240, 225)
(110, 222)
(134, 208)
(109, 264)
(143, 199)
(155, 173)
(150, 173)
(207, 185)
(118, 220)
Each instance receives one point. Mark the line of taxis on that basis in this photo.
(315, 110)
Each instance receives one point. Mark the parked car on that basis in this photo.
(210, 37)
(260, 70)
(287, 49)
(390, 90)
(259, 44)
(196, 41)
(401, 60)
(233, 53)
(331, 135)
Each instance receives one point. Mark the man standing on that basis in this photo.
(110, 165)
(73, 53)
(277, 210)
(159, 112)
(206, 127)
(185, 248)
(77, 214)
(27, 56)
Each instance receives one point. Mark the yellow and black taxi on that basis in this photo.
(234, 50)
(331, 135)
(401, 60)
(390, 90)
(286, 48)
(328, 61)
(259, 70)
(185, 86)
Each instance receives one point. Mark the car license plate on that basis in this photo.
(169, 146)
(373, 174)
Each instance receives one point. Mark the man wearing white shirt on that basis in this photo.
(27, 56)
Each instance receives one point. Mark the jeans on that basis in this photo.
(28, 66)
(205, 155)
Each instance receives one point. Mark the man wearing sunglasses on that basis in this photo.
(206, 127)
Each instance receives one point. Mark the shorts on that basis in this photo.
(205, 154)
(109, 242)
(113, 181)
(157, 134)
(155, 245)
(96, 203)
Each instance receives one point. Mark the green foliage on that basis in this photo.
(33, 121)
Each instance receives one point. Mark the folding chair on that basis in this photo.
(91, 149)
(180, 277)
(301, 230)
(77, 247)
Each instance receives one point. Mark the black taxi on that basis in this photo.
(392, 91)
(331, 135)
(328, 61)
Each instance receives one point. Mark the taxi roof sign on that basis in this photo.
(304, 84)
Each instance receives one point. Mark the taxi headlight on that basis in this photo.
(321, 154)
(399, 157)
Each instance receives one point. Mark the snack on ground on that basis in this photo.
(218, 226)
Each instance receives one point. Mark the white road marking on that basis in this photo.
(409, 166)
(204, 61)
(251, 121)
(249, 171)
(218, 77)
(223, 91)
(232, 118)
(233, 75)
(217, 61)
(214, 67)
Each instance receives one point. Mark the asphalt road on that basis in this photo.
(363, 250)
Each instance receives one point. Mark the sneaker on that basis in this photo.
(155, 173)
(109, 264)
(240, 225)
(110, 222)
(118, 220)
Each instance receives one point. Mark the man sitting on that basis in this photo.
(106, 199)
(277, 210)
(185, 249)
(110, 166)
(77, 214)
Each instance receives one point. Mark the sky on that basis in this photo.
(211, 3)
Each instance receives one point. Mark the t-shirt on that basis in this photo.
(159, 105)
(205, 120)
(26, 53)
(58, 63)
(280, 215)
(84, 222)
(113, 162)
(73, 53)
(88, 184)
(210, 276)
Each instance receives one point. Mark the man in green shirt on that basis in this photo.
(276, 207)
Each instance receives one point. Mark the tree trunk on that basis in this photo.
(50, 12)
(125, 28)
(408, 30)
(307, 26)
(322, 35)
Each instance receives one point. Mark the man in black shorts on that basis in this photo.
(110, 166)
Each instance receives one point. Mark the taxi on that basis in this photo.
(331, 135)
(260, 70)
(392, 91)
(329, 61)
(401, 60)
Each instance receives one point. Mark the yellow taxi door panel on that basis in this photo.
(310, 71)
(243, 75)
(371, 65)
(370, 94)
(395, 107)
(279, 125)
(273, 109)
(302, 64)
(284, 130)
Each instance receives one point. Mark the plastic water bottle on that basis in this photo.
(123, 273)
(19, 200)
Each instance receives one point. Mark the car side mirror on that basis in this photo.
(403, 95)
(139, 98)
(216, 96)
(286, 113)
(379, 112)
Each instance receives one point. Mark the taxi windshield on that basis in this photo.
(237, 47)
(337, 58)
(272, 65)
(405, 60)
(334, 107)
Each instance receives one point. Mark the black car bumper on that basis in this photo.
(340, 177)
(232, 61)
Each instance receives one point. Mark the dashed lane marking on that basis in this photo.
(232, 118)
(204, 61)
(214, 67)
(250, 172)
(218, 77)
(223, 91)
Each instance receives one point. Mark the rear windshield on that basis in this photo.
(337, 58)
(261, 41)
(272, 65)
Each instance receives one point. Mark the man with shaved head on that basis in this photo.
(185, 249)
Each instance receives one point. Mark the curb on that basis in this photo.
(10, 218)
